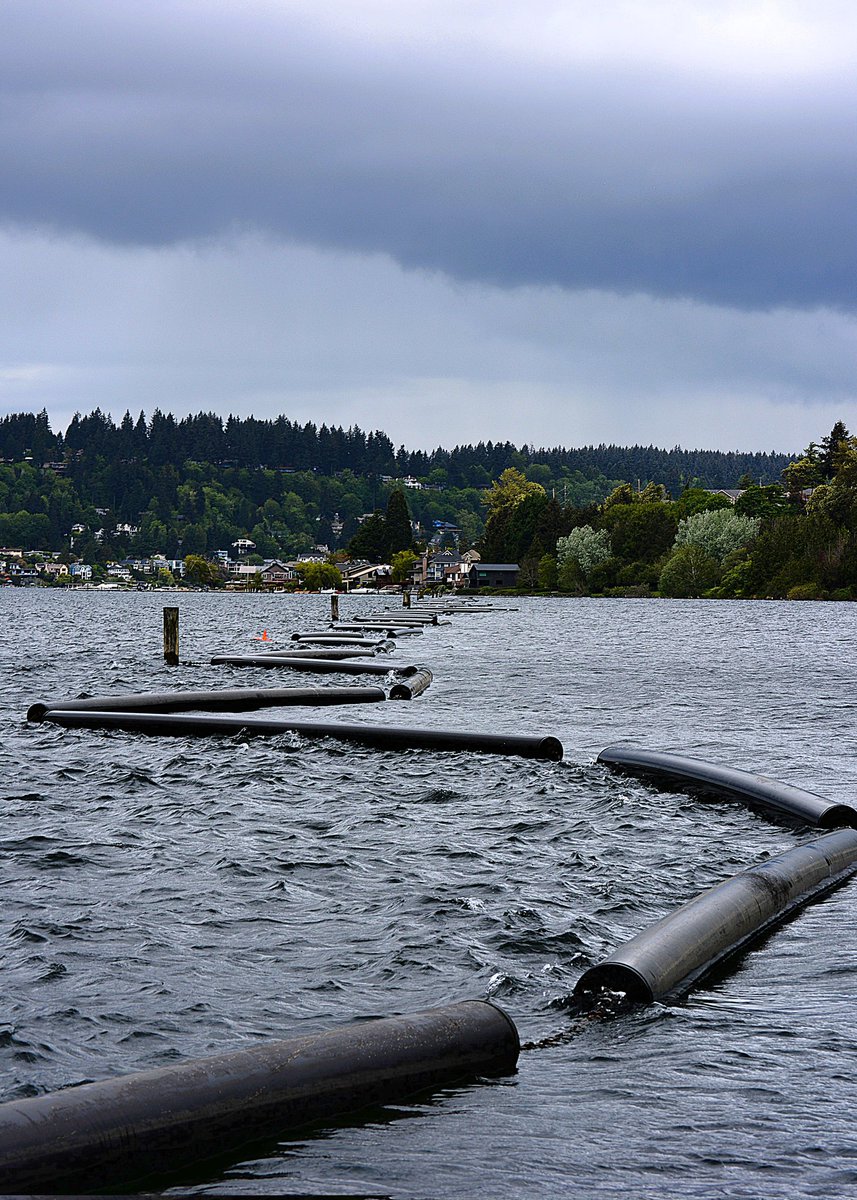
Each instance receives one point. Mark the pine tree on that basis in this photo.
(398, 521)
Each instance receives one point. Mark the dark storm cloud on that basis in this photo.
(183, 122)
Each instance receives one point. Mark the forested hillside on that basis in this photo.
(196, 484)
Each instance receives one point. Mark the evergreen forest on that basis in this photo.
(603, 519)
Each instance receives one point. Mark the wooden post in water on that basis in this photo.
(171, 637)
(406, 598)
(334, 607)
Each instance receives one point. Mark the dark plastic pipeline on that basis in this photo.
(667, 959)
(291, 652)
(390, 629)
(414, 616)
(711, 779)
(227, 700)
(340, 639)
(138, 1128)
(321, 666)
(384, 737)
(412, 686)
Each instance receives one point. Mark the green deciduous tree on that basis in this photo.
(585, 546)
(402, 565)
(688, 572)
(717, 533)
(509, 490)
(316, 576)
(200, 572)
(547, 573)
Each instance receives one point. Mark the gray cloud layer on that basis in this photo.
(156, 126)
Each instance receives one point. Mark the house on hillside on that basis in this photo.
(277, 574)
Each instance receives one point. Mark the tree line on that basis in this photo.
(145, 486)
(282, 444)
(795, 539)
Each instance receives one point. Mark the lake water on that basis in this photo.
(166, 898)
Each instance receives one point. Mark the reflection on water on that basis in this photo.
(166, 899)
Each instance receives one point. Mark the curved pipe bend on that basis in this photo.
(710, 778)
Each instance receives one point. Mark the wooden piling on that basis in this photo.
(406, 598)
(171, 637)
(334, 607)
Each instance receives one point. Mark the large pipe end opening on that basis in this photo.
(837, 816)
(551, 749)
(613, 981)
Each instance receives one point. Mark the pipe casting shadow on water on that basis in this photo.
(708, 778)
(226, 700)
(665, 960)
(320, 666)
(414, 685)
(137, 1128)
(383, 737)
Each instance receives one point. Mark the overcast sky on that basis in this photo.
(554, 222)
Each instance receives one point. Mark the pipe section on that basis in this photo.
(413, 686)
(415, 616)
(321, 666)
(138, 1128)
(391, 629)
(710, 778)
(383, 737)
(291, 652)
(328, 638)
(227, 700)
(667, 959)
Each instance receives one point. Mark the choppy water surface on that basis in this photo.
(164, 899)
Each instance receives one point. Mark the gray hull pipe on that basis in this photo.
(136, 1129)
(390, 629)
(665, 960)
(226, 700)
(327, 638)
(319, 666)
(382, 737)
(697, 775)
(414, 685)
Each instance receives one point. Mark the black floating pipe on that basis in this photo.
(384, 737)
(227, 700)
(328, 638)
(390, 629)
(386, 620)
(320, 666)
(291, 652)
(137, 1128)
(710, 778)
(415, 616)
(412, 686)
(665, 960)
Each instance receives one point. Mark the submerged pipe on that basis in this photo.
(665, 960)
(412, 686)
(140, 1127)
(321, 666)
(710, 778)
(227, 700)
(384, 737)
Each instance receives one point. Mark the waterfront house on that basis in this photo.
(493, 575)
